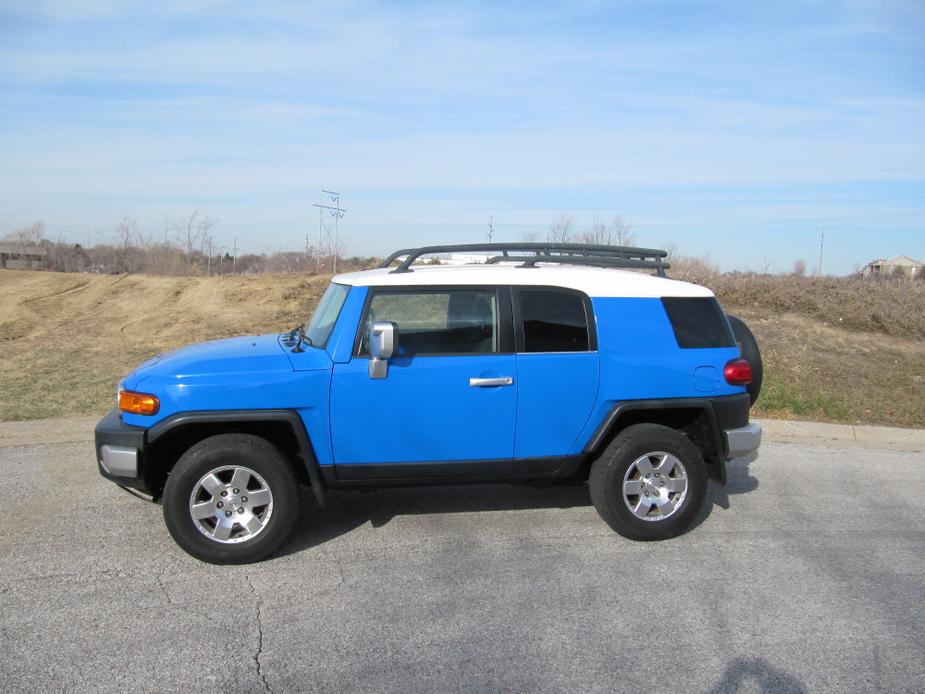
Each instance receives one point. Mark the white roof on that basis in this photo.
(593, 281)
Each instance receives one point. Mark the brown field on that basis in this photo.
(834, 350)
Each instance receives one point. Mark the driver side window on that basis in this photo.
(461, 321)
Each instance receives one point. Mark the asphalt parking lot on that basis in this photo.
(807, 573)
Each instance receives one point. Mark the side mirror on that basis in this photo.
(383, 342)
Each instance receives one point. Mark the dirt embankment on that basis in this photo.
(66, 339)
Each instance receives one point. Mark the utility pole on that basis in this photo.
(209, 262)
(234, 258)
(491, 227)
(821, 248)
(324, 231)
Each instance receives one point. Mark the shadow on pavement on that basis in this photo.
(349, 509)
(738, 481)
(757, 675)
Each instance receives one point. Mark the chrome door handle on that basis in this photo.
(488, 382)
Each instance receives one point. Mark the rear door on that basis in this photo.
(558, 369)
(434, 414)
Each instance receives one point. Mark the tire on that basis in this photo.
(231, 499)
(677, 484)
(749, 347)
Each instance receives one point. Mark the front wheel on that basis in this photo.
(231, 499)
(650, 482)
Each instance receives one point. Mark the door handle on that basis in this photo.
(489, 382)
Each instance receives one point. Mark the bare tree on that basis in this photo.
(618, 232)
(530, 236)
(622, 232)
(598, 232)
(193, 232)
(127, 232)
(561, 229)
(672, 250)
(33, 233)
(799, 268)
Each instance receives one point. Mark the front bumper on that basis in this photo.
(120, 452)
(743, 440)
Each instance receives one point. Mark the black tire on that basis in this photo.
(264, 470)
(609, 474)
(750, 351)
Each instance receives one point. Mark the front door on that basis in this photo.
(448, 403)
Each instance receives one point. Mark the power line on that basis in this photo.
(328, 235)
(821, 248)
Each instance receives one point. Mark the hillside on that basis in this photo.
(66, 339)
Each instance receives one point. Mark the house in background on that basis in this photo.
(22, 256)
(898, 265)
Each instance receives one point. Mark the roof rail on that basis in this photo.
(532, 253)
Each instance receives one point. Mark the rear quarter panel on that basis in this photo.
(641, 359)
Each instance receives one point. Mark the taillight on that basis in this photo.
(138, 403)
(738, 372)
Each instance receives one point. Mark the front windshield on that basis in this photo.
(325, 315)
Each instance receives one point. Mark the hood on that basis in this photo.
(248, 354)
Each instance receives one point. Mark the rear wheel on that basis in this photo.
(231, 499)
(650, 482)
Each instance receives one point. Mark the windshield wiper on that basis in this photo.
(298, 336)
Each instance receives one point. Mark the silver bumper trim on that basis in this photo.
(743, 440)
(120, 461)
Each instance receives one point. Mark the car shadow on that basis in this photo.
(348, 509)
(739, 480)
(757, 675)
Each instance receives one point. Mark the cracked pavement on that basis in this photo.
(807, 573)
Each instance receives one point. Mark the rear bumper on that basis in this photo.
(743, 440)
(120, 452)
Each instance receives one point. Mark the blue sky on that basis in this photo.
(737, 131)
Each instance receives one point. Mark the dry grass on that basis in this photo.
(821, 373)
(66, 339)
(879, 306)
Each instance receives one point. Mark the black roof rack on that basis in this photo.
(532, 253)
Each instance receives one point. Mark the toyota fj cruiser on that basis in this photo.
(544, 361)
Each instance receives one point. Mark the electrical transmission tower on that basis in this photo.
(328, 233)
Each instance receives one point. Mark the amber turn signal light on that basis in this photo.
(138, 403)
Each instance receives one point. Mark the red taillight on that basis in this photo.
(738, 372)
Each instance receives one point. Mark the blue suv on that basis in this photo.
(537, 361)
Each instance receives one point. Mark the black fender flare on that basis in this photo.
(717, 467)
(288, 417)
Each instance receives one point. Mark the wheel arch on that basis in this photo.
(695, 417)
(167, 440)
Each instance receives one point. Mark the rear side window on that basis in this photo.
(698, 322)
(554, 322)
